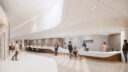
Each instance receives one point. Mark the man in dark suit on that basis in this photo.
(56, 48)
(84, 44)
(70, 48)
(125, 50)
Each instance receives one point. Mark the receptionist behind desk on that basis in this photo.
(104, 47)
(84, 45)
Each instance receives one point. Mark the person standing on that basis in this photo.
(16, 51)
(84, 44)
(125, 50)
(104, 47)
(75, 52)
(70, 48)
(65, 46)
(21, 46)
(56, 48)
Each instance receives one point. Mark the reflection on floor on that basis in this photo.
(28, 63)
(65, 64)
(42, 62)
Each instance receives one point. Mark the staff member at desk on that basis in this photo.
(104, 47)
(84, 45)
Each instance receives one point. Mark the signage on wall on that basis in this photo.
(81, 42)
(88, 41)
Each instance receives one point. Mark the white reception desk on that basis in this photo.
(80, 52)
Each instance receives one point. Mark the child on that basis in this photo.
(75, 52)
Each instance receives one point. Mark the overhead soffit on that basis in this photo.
(20, 11)
(84, 13)
(93, 10)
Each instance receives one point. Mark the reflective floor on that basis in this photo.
(42, 62)
(28, 63)
(65, 64)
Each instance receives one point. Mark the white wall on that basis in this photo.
(95, 46)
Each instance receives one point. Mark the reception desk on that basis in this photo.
(104, 56)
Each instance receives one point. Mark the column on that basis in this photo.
(4, 28)
(23, 44)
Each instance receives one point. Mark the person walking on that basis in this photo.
(125, 50)
(16, 51)
(70, 48)
(56, 48)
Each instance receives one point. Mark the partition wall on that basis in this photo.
(49, 42)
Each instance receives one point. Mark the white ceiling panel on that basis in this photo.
(62, 18)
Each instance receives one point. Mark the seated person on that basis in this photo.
(75, 52)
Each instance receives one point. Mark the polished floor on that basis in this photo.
(42, 62)
(28, 63)
(65, 64)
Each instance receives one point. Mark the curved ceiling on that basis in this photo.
(3, 18)
(21, 12)
(65, 18)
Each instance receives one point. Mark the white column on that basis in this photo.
(124, 35)
(22, 43)
(4, 26)
(4, 42)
